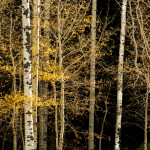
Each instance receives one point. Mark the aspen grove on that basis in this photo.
(74, 74)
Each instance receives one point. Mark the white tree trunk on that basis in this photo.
(35, 62)
(27, 80)
(62, 115)
(120, 76)
(92, 77)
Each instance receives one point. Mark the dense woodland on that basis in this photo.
(74, 74)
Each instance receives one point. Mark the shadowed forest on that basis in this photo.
(74, 74)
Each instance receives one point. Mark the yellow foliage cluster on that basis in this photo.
(6, 68)
(46, 76)
(10, 102)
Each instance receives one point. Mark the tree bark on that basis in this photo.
(102, 128)
(35, 63)
(40, 110)
(92, 77)
(120, 76)
(62, 115)
(146, 112)
(56, 107)
(27, 80)
(14, 88)
(45, 90)
(21, 130)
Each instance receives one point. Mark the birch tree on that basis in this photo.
(27, 81)
(120, 76)
(62, 115)
(92, 76)
(35, 62)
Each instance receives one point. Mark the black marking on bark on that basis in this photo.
(26, 70)
(28, 28)
(28, 43)
(29, 83)
(30, 58)
(27, 65)
(29, 124)
(31, 137)
(34, 76)
(29, 113)
(119, 132)
(26, 12)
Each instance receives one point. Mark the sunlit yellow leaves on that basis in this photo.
(6, 68)
(100, 81)
(50, 102)
(45, 24)
(48, 76)
(50, 51)
(98, 137)
(8, 102)
(11, 101)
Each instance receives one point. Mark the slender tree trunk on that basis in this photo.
(20, 114)
(45, 90)
(21, 130)
(0, 23)
(92, 77)
(102, 129)
(3, 144)
(27, 80)
(40, 110)
(56, 107)
(120, 76)
(62, 115)
(14, 88)
(56, 117)
(45, 122)
(146, 112)
(35, 63)
(44, 84)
